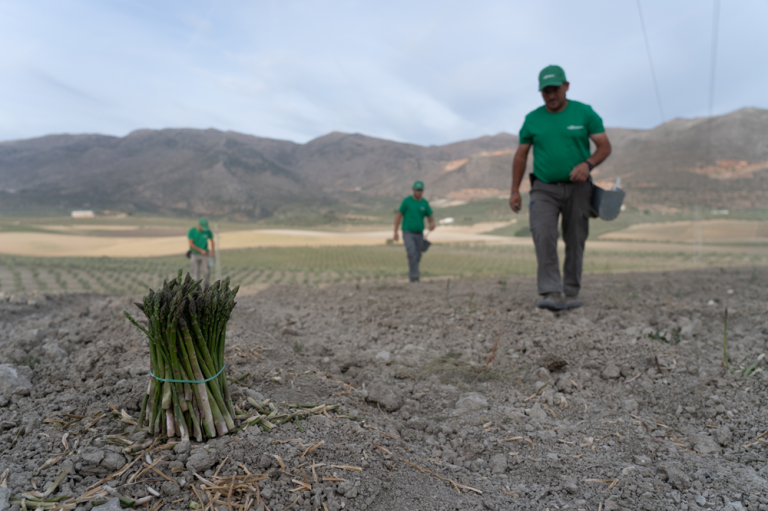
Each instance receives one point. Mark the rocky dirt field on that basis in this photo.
(452, 395)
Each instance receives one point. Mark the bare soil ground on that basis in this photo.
(597, 408)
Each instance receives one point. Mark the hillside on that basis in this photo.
(185, 171)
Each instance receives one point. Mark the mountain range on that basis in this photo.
(719, 162)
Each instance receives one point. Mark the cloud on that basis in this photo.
(427, 72)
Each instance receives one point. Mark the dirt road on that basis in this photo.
(453, 396)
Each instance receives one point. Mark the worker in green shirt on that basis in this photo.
(561, 187)
(412, 211)
(198, 247)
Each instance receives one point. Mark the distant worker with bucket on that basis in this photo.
(412, 211)
(198, 251)
(559, 132)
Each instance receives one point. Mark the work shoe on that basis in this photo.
(550, 301)
(570, 302)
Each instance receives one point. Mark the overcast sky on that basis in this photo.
(427, 72)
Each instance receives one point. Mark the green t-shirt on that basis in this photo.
(414, 212)
(200, 238)
(560, 140)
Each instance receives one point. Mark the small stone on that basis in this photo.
(345, 487)
(5, 494)
(642, 461)
(18, 299)
(705, 444)
(630, 405)
(201, 459)
(489, 505)
(54, 353)
(383, 356)
(258, 396)
(93, 456)
(265, 461)
(570, 486)
(13, 378)
(537, 412)
(418, 424)
(724, 436)
(182, 448)
(110, 505)
(67, 465)
(471, 402)
(540, 374)
(678, 479)
(170, 488)
(734, 506)
(611, 372)
(498, 463)
(384, 395)
(112, 461)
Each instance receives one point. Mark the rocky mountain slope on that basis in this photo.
(718, 162)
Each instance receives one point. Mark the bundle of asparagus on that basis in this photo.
(187, 389)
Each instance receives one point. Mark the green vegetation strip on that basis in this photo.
(314, 266)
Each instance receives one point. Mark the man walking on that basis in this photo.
(559, 132)
(412, 211)
(198, 246)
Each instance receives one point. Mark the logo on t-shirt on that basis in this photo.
(572, 127)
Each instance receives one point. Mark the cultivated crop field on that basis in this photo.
(253, 269)
(438, 398)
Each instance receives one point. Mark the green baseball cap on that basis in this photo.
(418, 185)
(551, 75)
(203, 222)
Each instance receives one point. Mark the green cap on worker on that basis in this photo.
(418, 185)
(203, 222)
(551, 75)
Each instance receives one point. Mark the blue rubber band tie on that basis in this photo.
(190, 381)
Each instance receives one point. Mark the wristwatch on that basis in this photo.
(589, 164)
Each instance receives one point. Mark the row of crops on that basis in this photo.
(255, 268)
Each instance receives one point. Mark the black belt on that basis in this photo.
(558, 183)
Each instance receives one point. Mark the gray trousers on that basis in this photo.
(548, 203)
(199, 265)
(413, 242)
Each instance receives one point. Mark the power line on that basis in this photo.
(650, 62)
(713, 59)
(712, 67)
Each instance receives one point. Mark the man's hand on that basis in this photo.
(515, 201)
(396, 236)
(431, 223)
(580, 173)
